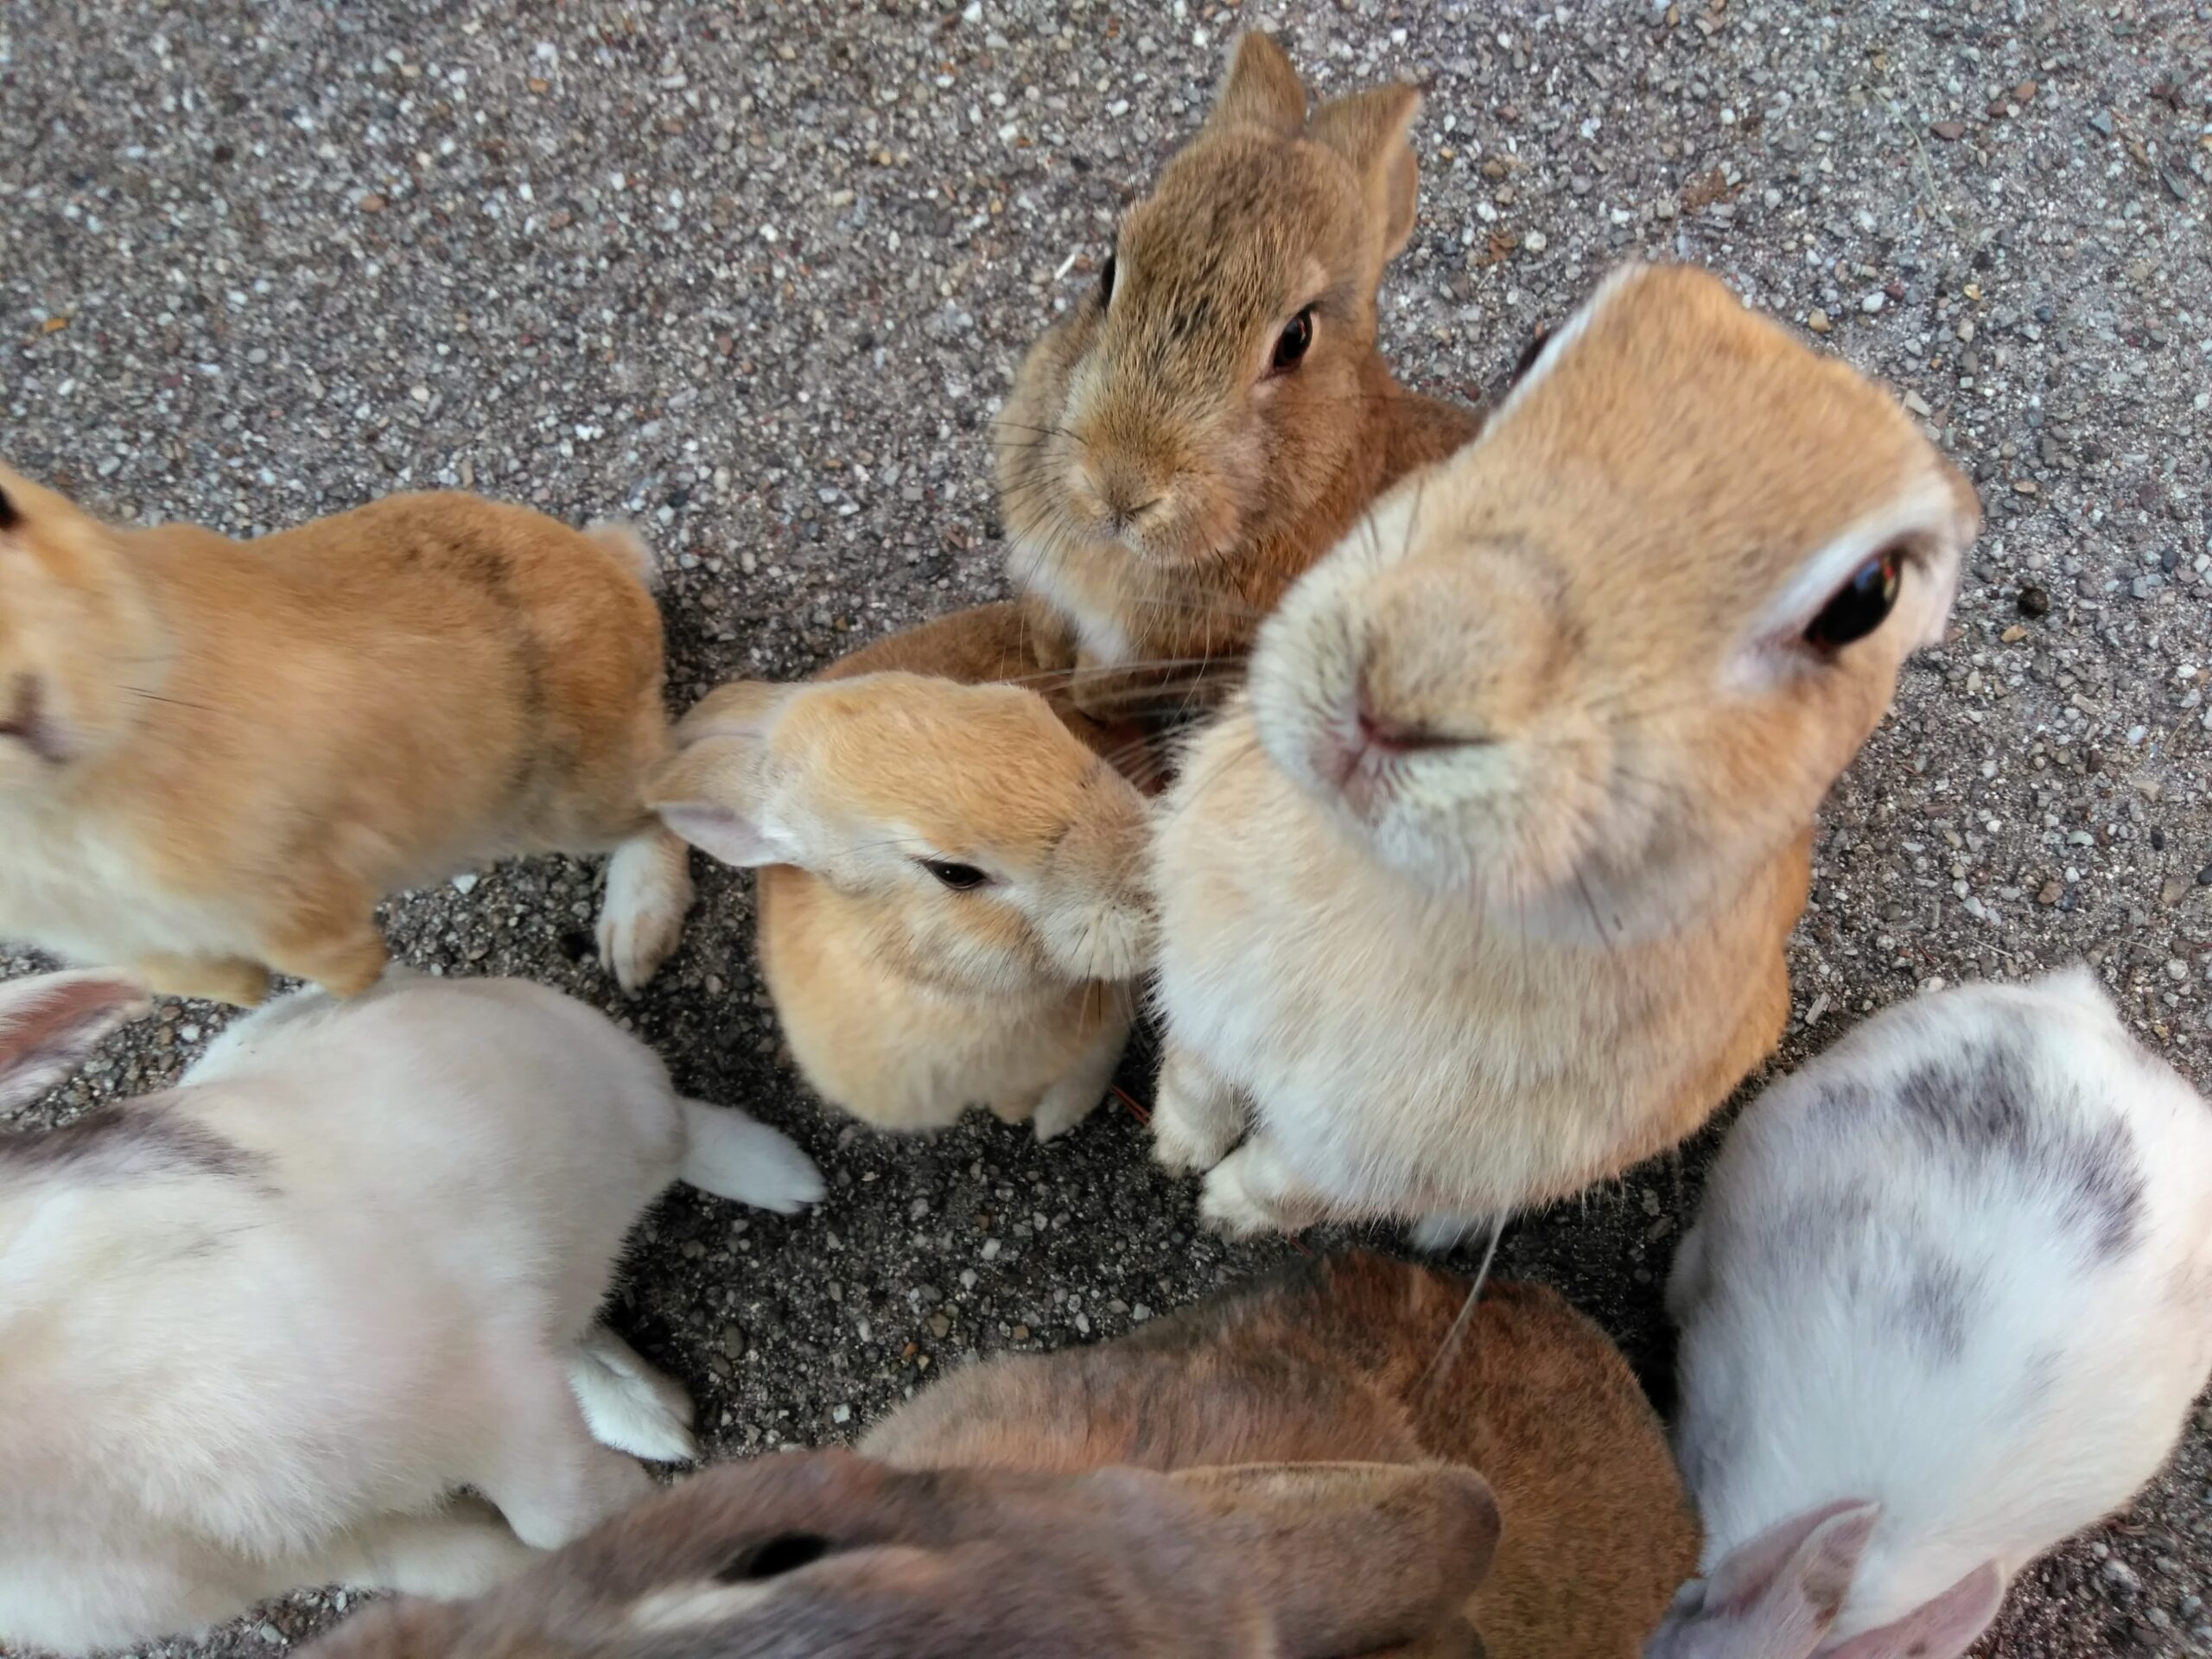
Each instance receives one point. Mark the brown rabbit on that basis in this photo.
(1186, 442)
(1355, 1359)
(216, 756)
(826, 1554)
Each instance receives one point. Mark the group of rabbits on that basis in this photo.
(1450, 778)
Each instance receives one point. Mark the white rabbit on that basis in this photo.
(1947, 1302)
(256, 1330)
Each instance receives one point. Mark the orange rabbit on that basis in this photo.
(216, 756)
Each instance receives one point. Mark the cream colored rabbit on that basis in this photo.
(952, 902)
(1188, 439)
(1479, 895)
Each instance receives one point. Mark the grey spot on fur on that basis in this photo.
(142, 1140)
(1938, 1305)
(1980, 1102)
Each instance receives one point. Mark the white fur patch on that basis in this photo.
(1036, 567)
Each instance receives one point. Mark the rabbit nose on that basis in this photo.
(1123, 490)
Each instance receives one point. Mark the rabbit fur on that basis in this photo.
(1947, 1301)
(907, 1001)
(1162, 478)
(217, 757)
(258, 1329)
(1300, 1467)
(1479, 893)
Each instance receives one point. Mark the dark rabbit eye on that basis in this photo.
(1106, 283)
(774, 1558)
(1291, 344)
(1861, 605)
(959, 877)
(9, 516)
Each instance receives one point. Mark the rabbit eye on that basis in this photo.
(1106, 283)
(774, 1558)
(1291, 346)
(9, 517)
(1860, 606)
(959, 877)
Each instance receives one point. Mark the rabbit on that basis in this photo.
(257, 1330)
(1369, 1463)
(1193, 435)
(952, 901)
(216, 756)
(1478, 893)
(1947, 1302)
(822, 1553)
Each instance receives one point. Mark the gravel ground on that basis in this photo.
(757, 274)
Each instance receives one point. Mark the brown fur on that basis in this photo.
(1350, 1360)
(272, 735)
(826, 1553)
(1161, 393)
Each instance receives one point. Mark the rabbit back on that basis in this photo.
(1961, 1267)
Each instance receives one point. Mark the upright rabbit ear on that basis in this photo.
(1368, 129)
(1352, 1557)
(1776, 1596)
(1942, 1628)
(49, 1020)
(1261, 90)
(716, 794)
(742, 709)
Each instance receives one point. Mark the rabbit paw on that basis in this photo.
(1252, 1192)
(1195, 1118)
(648, 895)
(627, 1404)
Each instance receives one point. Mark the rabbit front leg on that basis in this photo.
(1253, 1192)
(545, 1471)
(629, 1405)
(462, 1549)
(329, 936)
(234, 979)
(1069, 1101)
(649, 892)
(1197, 1114)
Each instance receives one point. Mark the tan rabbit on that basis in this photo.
(216, 756)
(952, 900)
(1480, 893)
(1181, 446)
(1313, 1465)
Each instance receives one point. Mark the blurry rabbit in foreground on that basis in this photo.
(1195, 433)
(255, 1330)
(952, 902)
(217, 757)
(1304, 1467)
(1479, 895)
(1947, 1302)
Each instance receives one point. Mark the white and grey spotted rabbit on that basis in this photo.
(1949, 1301)
(256, 1330)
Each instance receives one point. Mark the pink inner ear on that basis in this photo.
(1942, 1628)
(49, 1021)
(721, 834)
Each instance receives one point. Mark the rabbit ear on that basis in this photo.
(715, 794)
(741, 708)
(1350, 1557)
(1941, 1628)
(1260, 89)
(49, 1021)
(1779, 1593)
(1368, 129)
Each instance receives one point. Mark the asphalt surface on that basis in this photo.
(759, 276)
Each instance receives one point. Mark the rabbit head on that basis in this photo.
(1212, 388)
(49, 1022)
(80, 646)
(826, 1552)
(1777, 1598)
(990, 848)
(1633, 632)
